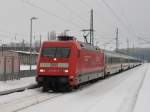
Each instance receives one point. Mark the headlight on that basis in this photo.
(66, 70)
(42, 70)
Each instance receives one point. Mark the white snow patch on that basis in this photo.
(12, 84)
(143, 101)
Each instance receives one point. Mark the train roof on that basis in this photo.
(84, 45)
(80, 44)
(114, 54)
(70, 39)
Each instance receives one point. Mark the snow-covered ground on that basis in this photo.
(143, 98)
(124, 92)
(115, 94)
(23, 82)
(12, 84)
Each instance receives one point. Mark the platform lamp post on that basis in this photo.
(30, 58)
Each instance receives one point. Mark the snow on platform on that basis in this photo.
(143, 100)
(115, 94)
(14, 84)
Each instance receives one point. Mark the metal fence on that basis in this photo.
(10, 69)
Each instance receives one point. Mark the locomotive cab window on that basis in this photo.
(56, 52)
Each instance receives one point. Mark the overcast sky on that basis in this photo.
(132, 17)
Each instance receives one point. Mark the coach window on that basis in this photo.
(106, 59)
(109, 60)
(113, 60)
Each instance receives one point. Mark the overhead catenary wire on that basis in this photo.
(59, 17)
(71, 11)
(126, 19)
(106, 43)
(69, 21)
(88, 6)
(50, 13)
(116, 16)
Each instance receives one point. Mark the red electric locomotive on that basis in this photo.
(67, 63)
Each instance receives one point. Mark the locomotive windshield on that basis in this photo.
(56, 52)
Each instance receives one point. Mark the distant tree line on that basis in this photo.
(141, 53)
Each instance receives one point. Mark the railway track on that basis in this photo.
(26, 101)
